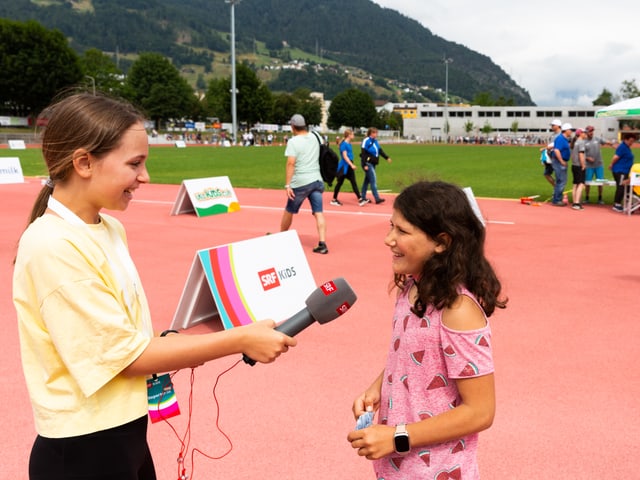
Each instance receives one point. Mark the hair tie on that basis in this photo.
(49, 183)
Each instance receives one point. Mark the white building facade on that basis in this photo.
(431, 121)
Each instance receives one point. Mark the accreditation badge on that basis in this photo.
(163, 402)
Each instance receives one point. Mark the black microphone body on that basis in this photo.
(326, 303)
(297, 323)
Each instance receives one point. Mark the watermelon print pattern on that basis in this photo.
(424, 360)
(454, 473)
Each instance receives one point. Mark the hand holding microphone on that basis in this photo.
(327, 302)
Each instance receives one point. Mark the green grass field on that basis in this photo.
(491, 171)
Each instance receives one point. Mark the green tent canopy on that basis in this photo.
(626, 108)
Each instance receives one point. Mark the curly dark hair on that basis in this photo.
(444, 213)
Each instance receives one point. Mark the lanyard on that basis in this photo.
(130, 273)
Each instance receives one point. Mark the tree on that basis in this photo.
(36, 64)
(156, 85)
(352, 108)
(99, 68)
(218, 99)
(388, 121)
(629, 89)
(605, 98)
(483, 99)
(486, 128)
(468, 126)
(254, 101)
(308, 106)
(284, 106)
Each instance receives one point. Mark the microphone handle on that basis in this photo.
(298, 322)
(291, 327)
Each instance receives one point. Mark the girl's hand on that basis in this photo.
(373, 442)
(369, 401)
(263, 343)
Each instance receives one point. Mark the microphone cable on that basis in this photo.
(185, 439)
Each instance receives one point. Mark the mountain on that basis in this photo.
(392, 49)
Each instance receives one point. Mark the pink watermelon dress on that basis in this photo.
(423, 361)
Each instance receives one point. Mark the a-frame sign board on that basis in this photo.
(11, 170)
(239, 283)
(205, 196)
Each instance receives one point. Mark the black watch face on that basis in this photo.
(402, 443)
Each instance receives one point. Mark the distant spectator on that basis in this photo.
(621, 164)
(302, 178)
(346, 168)
(595, 165)
(561, 157)
(578, 166)
(370, 154)
(546, 154)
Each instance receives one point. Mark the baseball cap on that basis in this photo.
(579, 132)
(556, 122)
(589, 128)
(566, 126)
(551, 145)
(297, 121)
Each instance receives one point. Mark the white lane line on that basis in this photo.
(307, 210)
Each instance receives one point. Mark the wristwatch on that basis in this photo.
(401, 440)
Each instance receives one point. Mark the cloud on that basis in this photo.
(561, 54)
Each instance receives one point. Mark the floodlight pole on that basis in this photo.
(446, 61)
(234, 120)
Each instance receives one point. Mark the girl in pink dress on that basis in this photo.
(436, 391)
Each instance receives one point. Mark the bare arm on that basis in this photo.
(259, 341)
(474, 413)
(289, 169)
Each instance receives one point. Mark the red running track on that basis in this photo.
(565, 348)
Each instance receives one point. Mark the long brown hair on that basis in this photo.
(443, 212)
(95, 123)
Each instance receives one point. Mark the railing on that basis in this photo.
(28, 138)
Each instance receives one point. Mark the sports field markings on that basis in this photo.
(307, 210)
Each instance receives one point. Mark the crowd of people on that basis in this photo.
(579, 150)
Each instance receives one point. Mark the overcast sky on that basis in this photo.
(562, 53)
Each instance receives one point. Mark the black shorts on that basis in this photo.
(548, 169)
(119, 453)
(578, 174)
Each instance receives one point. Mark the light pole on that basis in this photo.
(93, 83)
(234, 122)
(446, 61)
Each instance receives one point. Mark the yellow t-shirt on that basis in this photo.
(79, 326)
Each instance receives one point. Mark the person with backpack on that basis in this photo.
(346, 168)
(303, 179)
(370, 154)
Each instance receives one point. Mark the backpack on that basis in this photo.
(328, 160)
(366, 157)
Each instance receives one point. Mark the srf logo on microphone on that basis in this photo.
(269, 279)
(328, 288)
(342, 308)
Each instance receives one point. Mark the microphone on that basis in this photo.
(327, 302)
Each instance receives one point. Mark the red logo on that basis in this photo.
(269, 279)
(342, 309)
(328, 288)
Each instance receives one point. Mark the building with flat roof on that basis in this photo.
(431, 121)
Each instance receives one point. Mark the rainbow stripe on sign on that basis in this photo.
(218, 266)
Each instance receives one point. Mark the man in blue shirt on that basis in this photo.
(370, 154)
(621, 164)
(561, 157)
